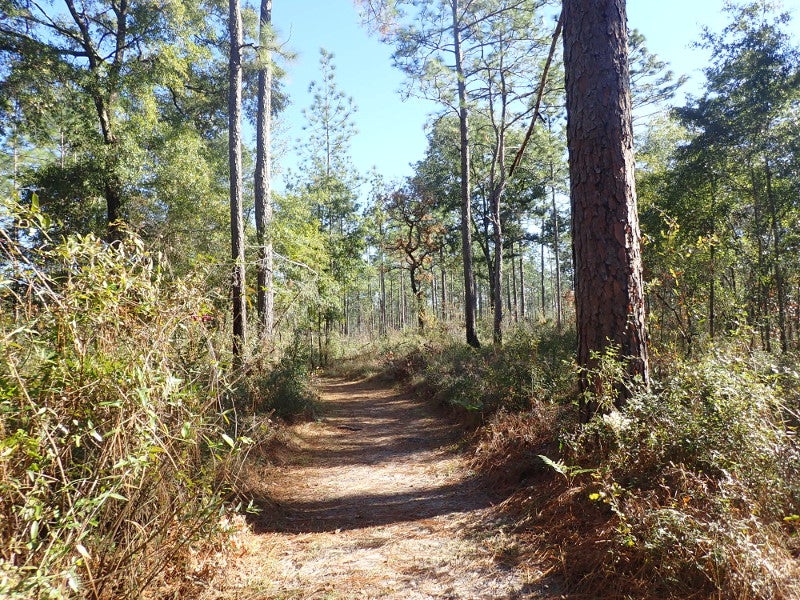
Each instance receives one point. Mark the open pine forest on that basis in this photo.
(557, 360)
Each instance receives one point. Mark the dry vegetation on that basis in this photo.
(691, 491)
(119, 445)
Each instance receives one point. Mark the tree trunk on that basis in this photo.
(761, 313)
(541, 272)
(382, 326)
(556, 253)
(609, 293)
(419, 298)
(522, 281)
(514, 285)
(497, 273)
(235, 162)
(466, 207)
(712, 291)
(780, 288)
(444, 288)
(112, 186)
(263, 200)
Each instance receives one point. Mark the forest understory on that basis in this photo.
(556, 358)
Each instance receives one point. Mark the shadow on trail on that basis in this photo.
(371, 430)
(392, 435)
(370, 510)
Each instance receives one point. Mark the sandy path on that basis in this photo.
(380, 505)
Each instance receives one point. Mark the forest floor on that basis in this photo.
(376, 501)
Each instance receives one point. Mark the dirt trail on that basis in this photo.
(379, 505)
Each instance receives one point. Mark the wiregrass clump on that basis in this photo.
(110, 423)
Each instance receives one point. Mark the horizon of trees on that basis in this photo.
(134, 137)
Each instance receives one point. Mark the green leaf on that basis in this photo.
(558, 467)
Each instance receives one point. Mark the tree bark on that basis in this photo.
(497, 273)
(609, 292)
(235, 163)
(263, 200)
(541, 272)
(522, 281)
(556, 251)
(466, 207)
(513, 269)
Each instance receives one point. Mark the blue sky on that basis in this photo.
(391, 130)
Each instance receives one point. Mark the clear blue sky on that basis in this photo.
(391, 131)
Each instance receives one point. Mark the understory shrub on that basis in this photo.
(700, 479)
(110, 423)
(529, 367)
(284, 387)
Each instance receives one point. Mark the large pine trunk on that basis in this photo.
(466, 208)
(609, 291)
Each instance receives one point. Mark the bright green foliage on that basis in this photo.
(126, 114)
(727, 201)
(110, 430)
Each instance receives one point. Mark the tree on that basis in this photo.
(263, 200)
(328, 183)
(105, 51)
(609, 292)
(504, 88)
(235, 163)
(167, 166)
(417, 235)
(438, 29)
(745, 123)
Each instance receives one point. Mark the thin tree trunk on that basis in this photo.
(556, 251)
(497, 274)
(522, 281)
(235, 162)
(466, 207)
(762, 312)
(514, 285)
(712, 292)
(508, 292)
(382, 270)
(263, 200)
(444, 289)
(541, 273)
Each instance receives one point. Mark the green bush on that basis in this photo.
(284, 389)
(529, 367)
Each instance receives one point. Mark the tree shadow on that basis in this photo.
(385, 430)
(370, 510)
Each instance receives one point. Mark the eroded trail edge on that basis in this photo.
(378, 504)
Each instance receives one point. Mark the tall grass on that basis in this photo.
(111, 421)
